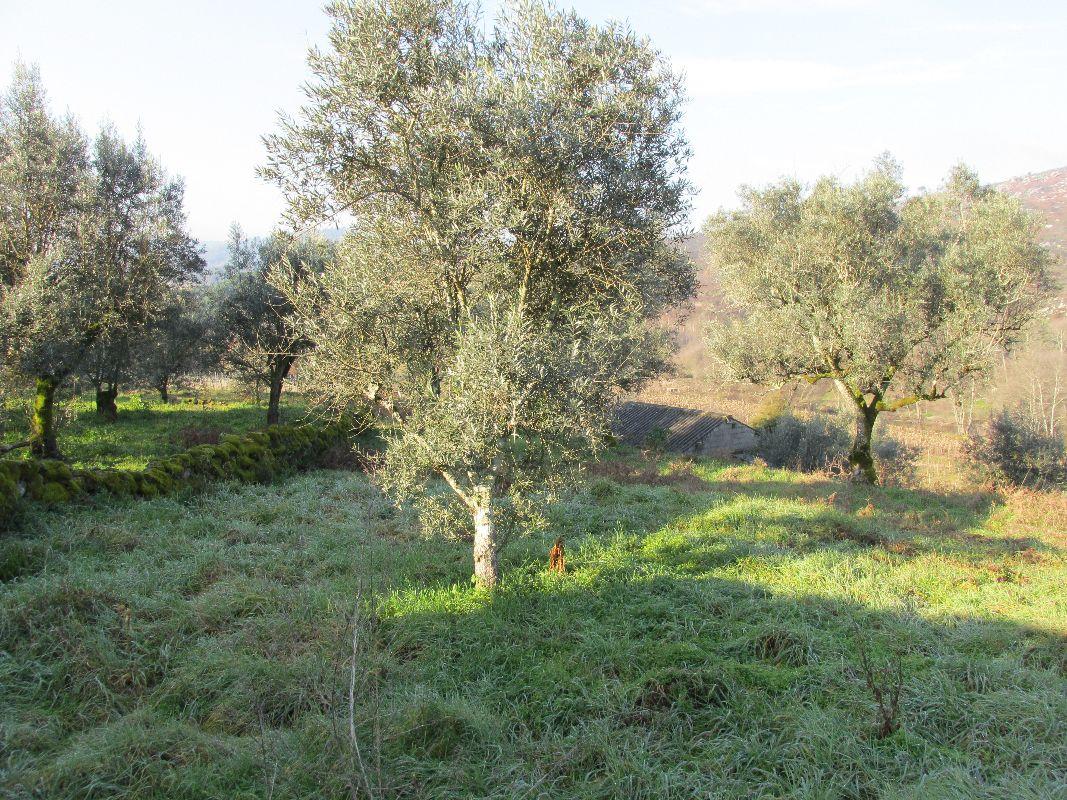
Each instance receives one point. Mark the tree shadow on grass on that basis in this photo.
(673, 659)
(649, 667)
(907, 520)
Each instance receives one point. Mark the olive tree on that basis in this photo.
(141, 252)
(88, 242)
(177, 341)
(259, 340)
(516, 199)
(895, 299)
(48, 292)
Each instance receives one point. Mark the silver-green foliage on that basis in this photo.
(140, 251)
(47, 190)
(88, 243)
(515, 197)
(895, 299)
(258, 337)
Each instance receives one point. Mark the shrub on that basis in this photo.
(1010, 449)
(656, 440)
(897, 463)
(819, 443)
(808, 445)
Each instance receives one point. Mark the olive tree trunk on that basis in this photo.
(164, 391)
(106, 407)
(486, 544)
(43, 426)
(274, 415)
(277, 378)
(861, 456)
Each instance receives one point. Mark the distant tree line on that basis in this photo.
(100, 280)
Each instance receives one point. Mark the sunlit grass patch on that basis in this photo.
(145, 429)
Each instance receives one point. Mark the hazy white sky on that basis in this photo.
(797, 87)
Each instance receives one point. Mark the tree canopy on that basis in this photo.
(88, 244)
(141, 253)
(259, 340)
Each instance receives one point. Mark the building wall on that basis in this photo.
(728, 439)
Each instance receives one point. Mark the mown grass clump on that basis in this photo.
(709, 639)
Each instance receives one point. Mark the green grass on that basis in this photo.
(704, 642)
(145, 430)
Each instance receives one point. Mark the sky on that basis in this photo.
(797, 88)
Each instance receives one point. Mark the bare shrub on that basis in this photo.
(896, 461)
(1013, 448)
(885, 684)
(814, 444)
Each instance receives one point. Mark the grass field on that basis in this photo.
(708, 640)
(145, 429)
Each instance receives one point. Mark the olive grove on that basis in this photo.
(90, 239)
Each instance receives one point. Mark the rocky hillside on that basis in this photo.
(1045, 193)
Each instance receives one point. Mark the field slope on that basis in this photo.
(708, 640)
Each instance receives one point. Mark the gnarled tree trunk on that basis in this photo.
(277, 377)
(861, 456)
(164, 395)
(43, 427)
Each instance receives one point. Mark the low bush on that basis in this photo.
(253, 458)
(808, 445)
(1010, 449)
(821, 444)
(897, 463)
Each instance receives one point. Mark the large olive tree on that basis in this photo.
(142, 254)
(178, 341)
(515, 199)
(895, 299)
(89, 243)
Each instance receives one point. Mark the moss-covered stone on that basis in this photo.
(55, 471)
(53, 493)
(253, 458)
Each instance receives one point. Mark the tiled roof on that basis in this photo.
(686, 428)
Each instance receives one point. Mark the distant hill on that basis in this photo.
(1044, 193)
